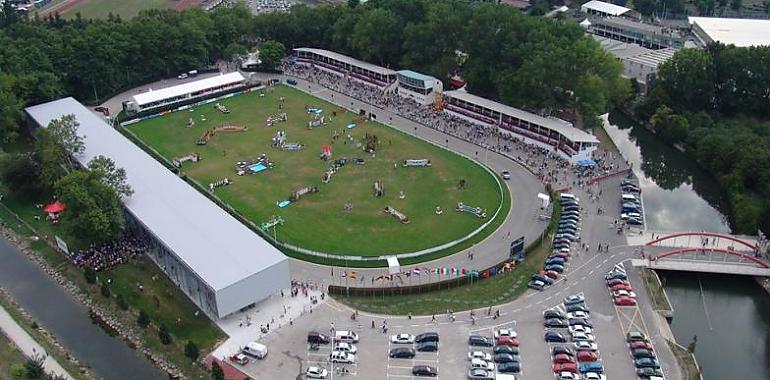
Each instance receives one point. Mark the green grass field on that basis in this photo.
(100, 9)
(317, 221)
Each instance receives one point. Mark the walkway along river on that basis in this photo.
(729, 314)
(52, 307)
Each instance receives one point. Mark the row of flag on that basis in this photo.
(425, 271)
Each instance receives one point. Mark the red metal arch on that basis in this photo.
(703, 234)
(706, 250)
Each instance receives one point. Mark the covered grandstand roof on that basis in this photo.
(349, 60)
(186, 88)
(417, 76)
(602, 7)
(556, 124)
(210, 242)
(737, 31)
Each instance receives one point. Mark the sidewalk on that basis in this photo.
(28, 345)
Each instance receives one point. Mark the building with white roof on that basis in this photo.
(548, 132)
(635, 32)
(638, 62)
(184, 93)
(740, 32)
(600, 8)
(219, 263)
(420, 87)
(342, 65)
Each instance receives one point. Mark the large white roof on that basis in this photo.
(564, 127)
(186, 88)
(210, 242)
(737, 31)
(349, 60)
(609, 8)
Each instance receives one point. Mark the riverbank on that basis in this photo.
(686, 360)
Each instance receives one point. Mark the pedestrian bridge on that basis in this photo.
(696, 239)
(706, 260)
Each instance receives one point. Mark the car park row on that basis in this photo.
(630, 203)
(502, 362)
(567, 232)
(580, 360)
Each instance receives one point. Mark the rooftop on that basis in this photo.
(417, 76)
(740, 32)
(608, 8)
(214, 245)
(186, 88)
(349, 60)
(565, 128)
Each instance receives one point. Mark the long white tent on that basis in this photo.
(218, 262)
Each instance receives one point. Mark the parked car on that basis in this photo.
(625, 301)
(316, 373)
(479, 341)
(479, 363)
(640, 344)
(623, 293)
(507, 341)
(594, 376)
(616, 276)
(542, 278)
(565, 367)
(427, 346)
(536, 285)
(585, 345)
(556, 350)
(317, 338)
(578, 336)
(617, 281)
(634, 222)
(555, 323)
(291, 82)
(509, 367)
(576, 307)
(633, 336)
(580, 329)
(345, 347)
(642, 353)
(573, 299)
(555, 267)
(240, 359)
(505, 174)
(401, 353)
(551, 274)
(553, 313)
(505, 350)
(621, 286)
(587, 356)
(555, 337)
(342, 357)
(402, 339)
(481, 374)
(579, 321)
(646, 372)
(562, 358)
(424, 370)
(426, 337)
(596, 367)
(506, 332)
(578, 314)
(505, 358)
(646, 363)
(566, 376)
(479, 355)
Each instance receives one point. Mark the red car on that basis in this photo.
(616, 281)
(240, 359)
(640, 344)
(625, 301)
(622, 287)
(563, 358)
(550, 273)
(587, 356)
(565, 367)
(507, 341)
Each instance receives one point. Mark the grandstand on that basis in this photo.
(343, 65)
(548, 132)
(186, 93)
(419, 87)
(220, 264)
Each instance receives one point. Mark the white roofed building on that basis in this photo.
(603, 9)
(420, 87)
(219, 263)
(342, 65)
(548, 132)
(740, 32)
(184, 93)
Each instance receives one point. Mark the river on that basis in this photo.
(730, 315)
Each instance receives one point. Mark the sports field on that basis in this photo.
(321, 221)
(100, 9)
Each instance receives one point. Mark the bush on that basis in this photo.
(164, 336)
(34, 325)
(216, 372)
(105, 290)
(90, 275)
(143, 320)
(33, 367)
(17, 371)
(122, 304)
(191, 350)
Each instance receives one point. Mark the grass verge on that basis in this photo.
(10, 358)
(655, 290)
(686, 360)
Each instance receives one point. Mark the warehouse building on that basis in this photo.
(219, 263)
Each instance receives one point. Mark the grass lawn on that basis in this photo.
(317, 221)
(125, 8)
(481, 294)
(10, 357)
(655, 290)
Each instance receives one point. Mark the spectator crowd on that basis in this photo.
(108, 255)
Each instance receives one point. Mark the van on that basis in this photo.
(255, 349)
(346, 336)
(317, 338)
(426, 337)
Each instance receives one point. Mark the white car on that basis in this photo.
(483, 364)
(567, 376)
(580, 329)
(594, 376)
(316, 373)
(505, 332)
(586, 345)
(402, 338)
(345, 347)
(630, 215)
(342, 357)
(581, 336)
(479, 355)
(623, 293)
(578, 314)
(182, 76)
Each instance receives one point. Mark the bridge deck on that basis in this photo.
(703, 266)
(690, 241)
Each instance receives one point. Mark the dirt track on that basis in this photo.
(60, 7)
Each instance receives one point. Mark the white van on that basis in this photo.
(346, 336)
(256, 350)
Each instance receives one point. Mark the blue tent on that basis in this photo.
(586, 163)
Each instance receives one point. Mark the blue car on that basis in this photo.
(591, 367)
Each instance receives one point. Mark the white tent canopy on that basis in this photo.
(393, 265)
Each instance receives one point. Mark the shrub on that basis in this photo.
(191, 350)
(105, 290)
(143, 320)
(163, 334)
(90, 275)
(122, 304)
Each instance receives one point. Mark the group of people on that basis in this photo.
(108, 255)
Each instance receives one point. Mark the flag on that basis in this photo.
(343, 274)
(445, 271)
(437, 270)
(427, 271)
(353, 274)
(416, 271)
(455, 271)
(465, 271)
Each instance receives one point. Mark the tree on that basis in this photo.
(105, 290)
(94, 213)
(21, 174)
(670, 127)
(216, 371)
(736, 4)
(104, 168)
(353, 3)
(90, 275)
(191, 350)
(163, 335)
(143, 320)
(271, 53)
(688, 80)
(10, 107)
(64, 132)
(377, 36)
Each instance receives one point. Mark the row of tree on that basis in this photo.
(542, 64)
(715, 101)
